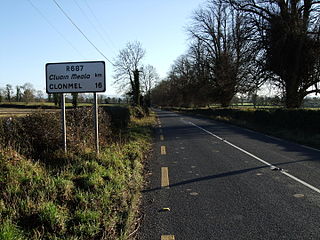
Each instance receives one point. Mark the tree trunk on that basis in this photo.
(293, 101)
(57, 99)
(225, 102)
(293, 98)
(136, 88)
(74, 99)
(226, 94)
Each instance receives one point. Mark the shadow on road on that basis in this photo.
(220, 175)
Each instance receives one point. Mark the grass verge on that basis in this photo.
(83, 196)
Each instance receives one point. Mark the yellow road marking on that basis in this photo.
(163, 150)
(166, 209)
(167, 237)
(164, 177)
(161, 137)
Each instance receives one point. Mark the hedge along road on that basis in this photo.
(211, 180)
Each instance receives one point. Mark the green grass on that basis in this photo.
(84, 197)
(10, 231)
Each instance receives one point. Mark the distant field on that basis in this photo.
(250, 106)
(47, 104)
(19, 112)
(38, 104)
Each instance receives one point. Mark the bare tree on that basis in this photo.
(127, 69)
(201, 86)
(9, 92)
(39, 95)
(181, 79)
(162, 95)
(57, 99)
(1, 94)
(149, 79)
(225, 36)
(75, 97)
(18, 93)
(288, 34)
(28, 92)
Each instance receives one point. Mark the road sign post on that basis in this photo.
(76, 77)
(63, 122)
(96, 122)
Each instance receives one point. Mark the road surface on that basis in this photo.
(211, 180)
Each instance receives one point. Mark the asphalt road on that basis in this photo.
(210, 180)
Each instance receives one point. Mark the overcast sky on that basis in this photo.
(35, 32)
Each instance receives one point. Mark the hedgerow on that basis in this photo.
(46, 194)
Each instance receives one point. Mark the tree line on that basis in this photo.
(21, 93)
(238, 45)
(26, 94)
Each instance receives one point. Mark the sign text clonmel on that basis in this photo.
(75, 77)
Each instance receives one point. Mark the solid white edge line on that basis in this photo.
(259, 159)
(301, 181)
(206, 131)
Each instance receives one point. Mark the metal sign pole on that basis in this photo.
(96, 122)
(63, 122)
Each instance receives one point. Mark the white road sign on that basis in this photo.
(75, 77)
